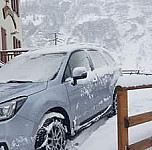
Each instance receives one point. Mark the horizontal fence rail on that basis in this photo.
(131, 72)
(124, 122)
(6, 55)
(138, 119)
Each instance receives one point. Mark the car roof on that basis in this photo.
(63, 49)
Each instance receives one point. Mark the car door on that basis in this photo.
(104, 98)
(81, 95)
(114, 70)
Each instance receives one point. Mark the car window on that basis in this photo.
(67, 73)
(77, 59)
(108, 58)
(97, 59)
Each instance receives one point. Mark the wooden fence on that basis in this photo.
(6, 55)
(124, 122)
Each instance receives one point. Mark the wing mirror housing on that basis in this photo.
(79, 73)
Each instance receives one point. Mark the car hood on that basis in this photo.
(13, 90)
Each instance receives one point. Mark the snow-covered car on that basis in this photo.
(48, 95)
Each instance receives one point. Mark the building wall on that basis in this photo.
(8, 25)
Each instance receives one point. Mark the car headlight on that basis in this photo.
(10, 108)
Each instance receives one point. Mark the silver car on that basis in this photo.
(48, 95)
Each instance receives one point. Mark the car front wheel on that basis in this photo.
(51, 135)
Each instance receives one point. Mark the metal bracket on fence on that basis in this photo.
(126, 123)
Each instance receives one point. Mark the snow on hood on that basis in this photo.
(13, 90)
(31, 67)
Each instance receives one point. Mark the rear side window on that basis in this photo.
(108, 58)
(97, 59)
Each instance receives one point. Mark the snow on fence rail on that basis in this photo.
(130, 71)
(134, 72)
(6, 55)
(124, 122)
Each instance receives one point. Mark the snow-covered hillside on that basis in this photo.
(124, 27)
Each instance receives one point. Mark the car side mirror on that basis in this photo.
(79, 73)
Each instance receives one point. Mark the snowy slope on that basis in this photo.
(124, 27)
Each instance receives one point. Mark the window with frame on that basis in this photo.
(4, 40)
(97, 59)
(109, 58)
(77, 59)
(16, 43)
(15, 6)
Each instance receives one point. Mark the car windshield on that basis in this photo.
(31, 68)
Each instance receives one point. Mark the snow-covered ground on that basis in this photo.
(103, 134)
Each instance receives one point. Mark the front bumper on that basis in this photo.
(17, 134)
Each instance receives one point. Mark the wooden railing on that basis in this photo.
(6, 55)
(124, 122)
(130, 71)
(135, 71)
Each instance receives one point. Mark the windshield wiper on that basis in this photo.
(15, 81)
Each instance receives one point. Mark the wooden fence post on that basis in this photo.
(122, 114)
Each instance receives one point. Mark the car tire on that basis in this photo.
(51, 135)
(115, 103)
(114, 107)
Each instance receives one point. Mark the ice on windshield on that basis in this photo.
(35, 68)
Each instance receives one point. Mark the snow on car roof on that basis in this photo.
(62, 49)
